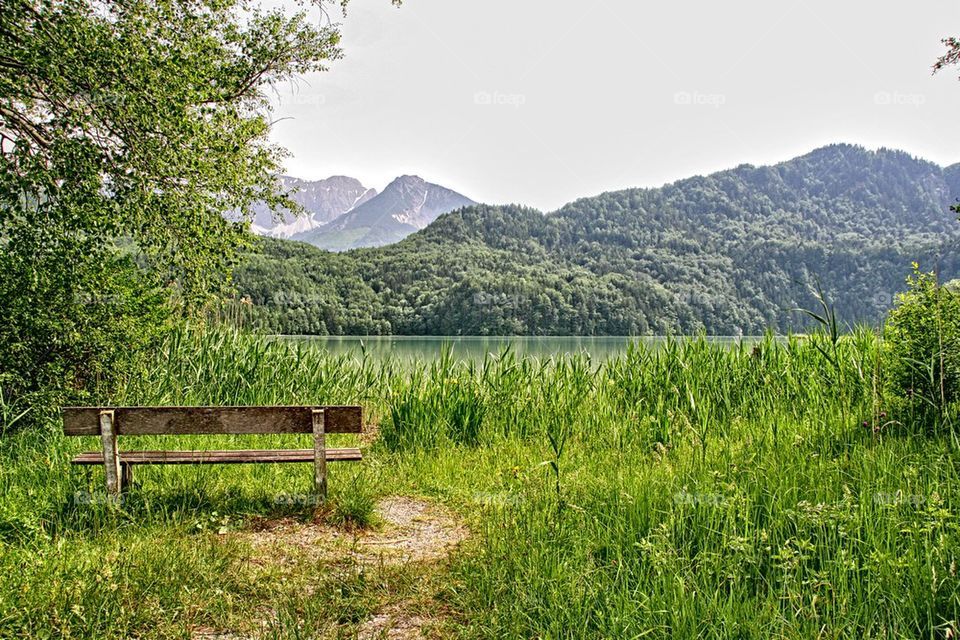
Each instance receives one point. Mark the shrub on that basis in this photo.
(64, 339)
(922, 345)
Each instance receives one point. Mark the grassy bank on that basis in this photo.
(690, 491)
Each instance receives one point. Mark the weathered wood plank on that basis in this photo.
(84, 421)
(233, 456)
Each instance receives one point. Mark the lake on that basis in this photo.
(476, 347)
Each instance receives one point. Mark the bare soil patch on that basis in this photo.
(203, 633)
(395, 623)
(413, 530)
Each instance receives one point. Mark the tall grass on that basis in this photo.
(690, 490)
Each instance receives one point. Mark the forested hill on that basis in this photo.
(736, 251)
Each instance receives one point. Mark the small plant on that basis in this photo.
(830, 333)
(700, 419)
(18, 525)
(412, 420)
(558, 431)
(922, 346)
(355, 507)
(215, 523)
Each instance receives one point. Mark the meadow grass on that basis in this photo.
(692, 490)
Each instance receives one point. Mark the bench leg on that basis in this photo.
(319, 455)
(126, 476)
(111, 457)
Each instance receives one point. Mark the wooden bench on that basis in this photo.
(111, 422)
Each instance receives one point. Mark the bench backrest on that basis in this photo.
(143, 421)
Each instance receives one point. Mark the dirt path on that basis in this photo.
(413, 530)
(414, 533)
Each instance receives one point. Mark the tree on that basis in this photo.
(128, 128)
(952, 56)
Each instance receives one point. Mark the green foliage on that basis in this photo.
(127, 130)
(159, 148)
(452, 412)
(922, 345)
(465, 413)
(66, 336)
(412, 423)
(726, 253)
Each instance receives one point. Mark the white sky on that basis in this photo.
(540, 102)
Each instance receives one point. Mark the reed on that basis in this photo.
(690, 490)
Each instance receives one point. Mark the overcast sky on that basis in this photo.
(540, 102)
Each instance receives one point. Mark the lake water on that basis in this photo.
(476, 347)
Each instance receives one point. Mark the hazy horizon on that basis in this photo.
(542, 104)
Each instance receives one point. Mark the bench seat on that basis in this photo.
(230, 456)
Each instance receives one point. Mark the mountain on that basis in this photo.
(322, 200)
(952, 176)
(406, 205)
(735, 251)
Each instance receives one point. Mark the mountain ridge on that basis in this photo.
(729, 252)
(406, 205)
(322, 200)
